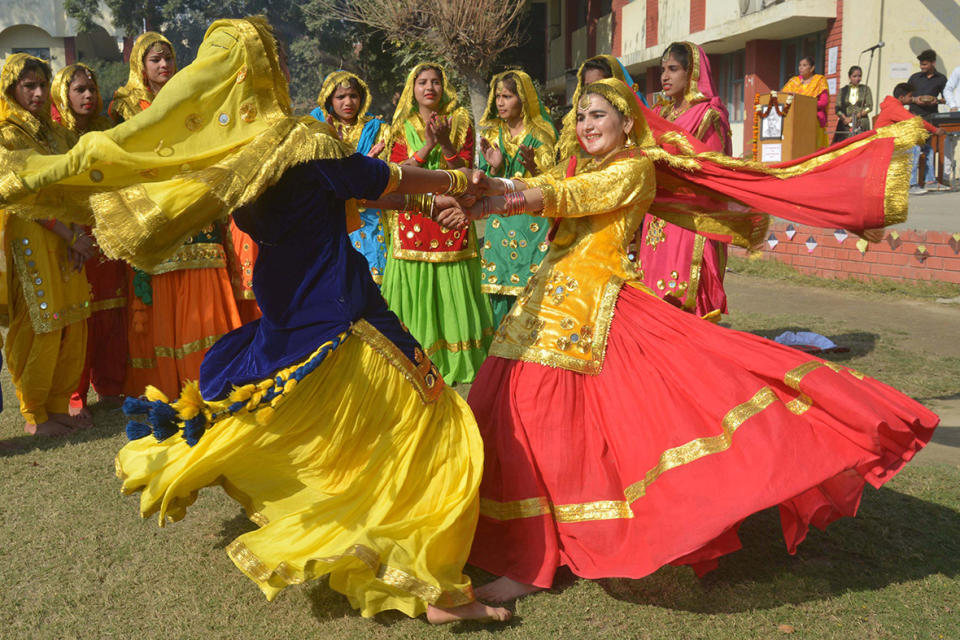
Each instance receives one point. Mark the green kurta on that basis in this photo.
(514, 245)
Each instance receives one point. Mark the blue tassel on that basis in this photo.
(135, 406)
(194, 428)
(164, 419)
(137, 430)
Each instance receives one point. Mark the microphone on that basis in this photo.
(874, 47)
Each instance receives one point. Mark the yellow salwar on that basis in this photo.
(354, 476)
(45, 367)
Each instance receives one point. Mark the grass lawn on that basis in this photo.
(767, 268)
(77, 562)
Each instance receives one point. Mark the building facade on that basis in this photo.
(754, 45)
(42, 28)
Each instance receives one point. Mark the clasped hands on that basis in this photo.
(456, 213)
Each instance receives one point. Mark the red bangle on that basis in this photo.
(418, 158)
(451, 158)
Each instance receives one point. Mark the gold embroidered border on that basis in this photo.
(187, 349)
(142, 363)
(463, 345)
(502, 289)
(259, 519)
(199, 255)
(398, 252)
(669, 459)
(556, 360)
(45, 320)
(382, 345)
(107, 303)
(696, 264)
(251, 564)
(710, 118)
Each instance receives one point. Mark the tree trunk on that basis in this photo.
(478, 88)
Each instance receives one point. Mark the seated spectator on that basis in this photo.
(892, 110)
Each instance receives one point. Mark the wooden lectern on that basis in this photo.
(786, 126)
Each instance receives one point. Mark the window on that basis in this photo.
(581, 14)
(42, 53)
(728, 76)
(812, 44)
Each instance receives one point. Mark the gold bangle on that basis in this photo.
(458, 183)
(396, 175)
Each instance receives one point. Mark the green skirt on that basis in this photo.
(443, 307)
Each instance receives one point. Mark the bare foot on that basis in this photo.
(82, 418)
(73, 423)
(50, 428)
(503, 589)
(473, 611)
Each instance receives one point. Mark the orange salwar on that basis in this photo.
(191, 309)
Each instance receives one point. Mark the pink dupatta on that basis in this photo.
(677, 264)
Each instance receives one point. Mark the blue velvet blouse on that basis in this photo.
(309, 281)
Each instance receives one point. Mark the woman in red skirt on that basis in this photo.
(622, 434)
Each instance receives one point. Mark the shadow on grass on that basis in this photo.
(232, 529)
(895, 538)
(859, 343)
(108, 422)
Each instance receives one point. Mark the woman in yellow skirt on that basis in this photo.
(324, 419)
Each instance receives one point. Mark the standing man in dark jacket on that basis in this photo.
(928, 84)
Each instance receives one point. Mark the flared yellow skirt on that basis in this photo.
(354, 476)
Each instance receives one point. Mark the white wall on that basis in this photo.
(908, 27)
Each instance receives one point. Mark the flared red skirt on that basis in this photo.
(688, 429)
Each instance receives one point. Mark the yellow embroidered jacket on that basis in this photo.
(562, 317)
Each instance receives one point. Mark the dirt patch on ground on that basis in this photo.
(933, 328)
(927, 326)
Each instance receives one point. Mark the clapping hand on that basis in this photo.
(376, 150)
(492, 154)
(527, 159)
(441, 129)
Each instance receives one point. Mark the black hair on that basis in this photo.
(678, 52)
(431, 67)
(813, 63)
(356, 86)
(902, 89)
(927, 55)
(510, 83)
(854, 68)
(597, 64)
(36, 65)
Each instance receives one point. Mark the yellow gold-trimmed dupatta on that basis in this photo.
(214, 139)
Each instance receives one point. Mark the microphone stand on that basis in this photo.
(873, 50)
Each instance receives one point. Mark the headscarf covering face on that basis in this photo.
(409, 110)
(60, 95)
(214, 139)
(10, 109)
(568, 134)
(127, 99)
(536, 118)
(337, 80)
(700, 95)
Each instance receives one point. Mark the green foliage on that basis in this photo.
(110, 76)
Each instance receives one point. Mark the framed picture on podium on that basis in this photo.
(771, 127)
